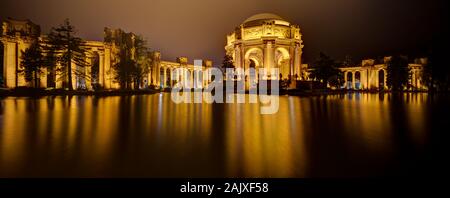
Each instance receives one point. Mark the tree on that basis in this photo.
(143, 61)
(397, 73)
(123, 68)
(337, 80)
(50, 61)
(325, 70)
(32, 63)
(227, 63)
(436, 73)
(69, 49)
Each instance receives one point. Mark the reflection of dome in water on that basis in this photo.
(263, 16)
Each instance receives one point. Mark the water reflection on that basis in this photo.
(150, 136)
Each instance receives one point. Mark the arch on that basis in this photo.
(95, 69)
(2, 53)
(162, 77)
(283, 52)
(252, 63)
(381, 79)
(349, 80)
(357, 80)
(254, 51)
(168, 77)
(283, 60)
(253, 58)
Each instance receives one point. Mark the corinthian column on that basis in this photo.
(269, 54)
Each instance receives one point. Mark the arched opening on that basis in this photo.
(169, 78)
(381, 78)
(253, 61)
(349, 80)
(95, 70)
(253, 56)
(357, 80)
(283, 62)
(253, 74)
(162, 80)
(2, 53)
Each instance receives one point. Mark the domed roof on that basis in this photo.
(263, 16)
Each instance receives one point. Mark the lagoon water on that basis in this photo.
(351, 135)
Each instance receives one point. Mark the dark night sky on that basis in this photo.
(197, 28)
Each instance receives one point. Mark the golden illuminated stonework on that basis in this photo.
(267, 41)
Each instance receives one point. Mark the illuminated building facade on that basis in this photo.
(17, 36)
(371, 75)
(261, 41)
(267, 41)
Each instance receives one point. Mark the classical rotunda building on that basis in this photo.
(267, 41)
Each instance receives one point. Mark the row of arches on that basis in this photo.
(254, 58)
(170, 78)
(91, 74)
(354, 80)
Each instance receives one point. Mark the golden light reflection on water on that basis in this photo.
(150, 136)
(263, 145)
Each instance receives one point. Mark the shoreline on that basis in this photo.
(31, 92)
(43, 92)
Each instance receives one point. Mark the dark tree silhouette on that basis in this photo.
(398, 73)
(50, 61)
(123, 68)
(227, 63)
(69, 49)
(436, 74)
(143, 61)
(32, 63)
(325, 70)
(134, 61)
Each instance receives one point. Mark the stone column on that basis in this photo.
(297, 61)
(192, 78)
(88, 72)
(385, 80)
(157, 75)
(269, 53)
(6, 69)
(101, 69)
(186, 76)
(107, 67)
(164, 78)
(346, 79)
(238, 56)
(353, 80)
